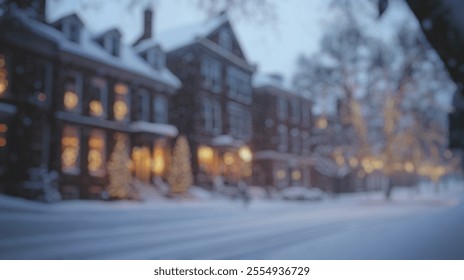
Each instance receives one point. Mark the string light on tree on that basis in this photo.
(180, 173)
(120, 177)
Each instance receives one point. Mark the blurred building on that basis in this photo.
(213, 106)
(282, 139)
(67, 93)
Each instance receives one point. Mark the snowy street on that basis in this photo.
(353, 226)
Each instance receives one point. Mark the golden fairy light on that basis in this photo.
(245, 154)
(281, 174)
(229, 158)
(96, 108)
(71, 100)
(120, 110)
(296, 175)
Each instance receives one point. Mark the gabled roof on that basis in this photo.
(112, 31)
(129, 60)
(72, 16)
(263, 80)
(185, 35)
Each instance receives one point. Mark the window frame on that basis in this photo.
(164, 109)
(211, 70)
(77, 169)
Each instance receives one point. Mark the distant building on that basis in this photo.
(213, 106)
(282, 122)
(68, 93)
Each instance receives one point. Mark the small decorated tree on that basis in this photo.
(120, 178)
(180, 176)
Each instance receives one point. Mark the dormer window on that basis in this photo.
(155, 58)
(71, 26)
(74, 32)
(112, 44)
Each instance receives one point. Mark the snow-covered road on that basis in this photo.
(356, 226)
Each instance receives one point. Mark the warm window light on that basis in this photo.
(340, 160)
(3, 128)
(229, 158)
(245, 154)
(409, 167)
(71, 100)
(281, 174)
(95, 160)
(69, 149)
(205, 154)
(159, 163)
(322, 123)
(3, 76)
(121, 89)
(96, 108)
(95, 156)
(296, 175)
(2, 142)
(353, 162)
(120, 110)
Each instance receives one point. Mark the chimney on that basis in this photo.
(147, 26)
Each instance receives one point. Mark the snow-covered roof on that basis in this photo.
(155, 128)
(128, 59)
(264, 80)
(226, 140)
(182, 36)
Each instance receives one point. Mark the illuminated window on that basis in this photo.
(205, 157)
(98, 95)
(322, 123)
(97, 153)
(160, 109)
(159, 158)
(70, 150)
(121, 100)
(296, 175)
(281, 174)
(3, 76)
(73, 92)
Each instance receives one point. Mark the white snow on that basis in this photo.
(226, 140)
(263, 80)
(128, 60)
(416, 224)
(156, 128)
(182, 36)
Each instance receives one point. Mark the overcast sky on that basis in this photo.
(273, 46)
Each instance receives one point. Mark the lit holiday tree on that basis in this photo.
(180, 174)
(119, 174)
